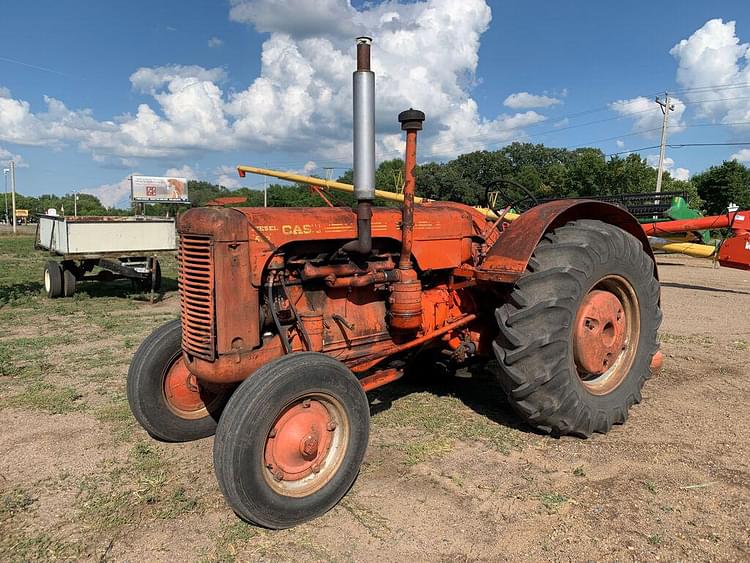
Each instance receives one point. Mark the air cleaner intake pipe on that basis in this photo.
(406, 293)
(364, 147)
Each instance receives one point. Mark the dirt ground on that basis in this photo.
(451, 473)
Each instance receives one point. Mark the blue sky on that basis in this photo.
(91, 92)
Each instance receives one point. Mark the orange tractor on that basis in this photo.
(289, 316)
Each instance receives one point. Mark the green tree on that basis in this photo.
(722, 185)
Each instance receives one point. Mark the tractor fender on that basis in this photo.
(507, 259)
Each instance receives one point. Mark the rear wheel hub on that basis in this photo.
(605, 335)
(599, 334)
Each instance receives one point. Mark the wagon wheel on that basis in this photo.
(53, 279)
(291, 440)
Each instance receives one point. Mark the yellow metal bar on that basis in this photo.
(689, 248)
(341, 186)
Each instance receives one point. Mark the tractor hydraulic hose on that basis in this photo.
(297, 320)
(272, 306)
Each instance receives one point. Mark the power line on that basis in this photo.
(683, 145)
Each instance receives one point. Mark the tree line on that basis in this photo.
(546, 172)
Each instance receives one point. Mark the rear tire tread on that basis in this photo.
(532, 347)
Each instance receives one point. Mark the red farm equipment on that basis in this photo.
(290, 315)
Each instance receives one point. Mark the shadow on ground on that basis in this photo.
(476, 387)
(14, 292)
(123, 289)
(702, 288)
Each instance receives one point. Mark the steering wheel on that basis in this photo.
(512, 196)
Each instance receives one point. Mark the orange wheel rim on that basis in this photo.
(183, 394)
(306, 445)
(606, 334)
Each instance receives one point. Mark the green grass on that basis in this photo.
(654, 539)
(553, 501)
(116, 414)
(231, 538)
(19, 547)
(650, 487)
(123, 493)
(15, 501)
(46, 397)
(445, 420)
(703, 340)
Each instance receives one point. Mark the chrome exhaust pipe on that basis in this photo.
(364, 147)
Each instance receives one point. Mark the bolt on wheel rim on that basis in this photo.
(184, 395)
(306, 445)
(606, 334)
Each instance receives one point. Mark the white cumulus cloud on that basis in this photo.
(524, 100)
(647, 115)
(183, 171)
(676, 172)
(425, 55)
(112, 195)
(715, 66)
(215, 42)
(6, 156)
(741, 156)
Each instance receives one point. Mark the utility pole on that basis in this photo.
(666, 107)
(75, 204)
(13, 196)
(6, 171)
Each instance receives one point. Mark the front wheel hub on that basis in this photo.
(299, 440)
(183, 394)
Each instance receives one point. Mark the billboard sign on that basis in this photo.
(159, 189)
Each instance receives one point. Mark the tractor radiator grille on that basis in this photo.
(196, 283)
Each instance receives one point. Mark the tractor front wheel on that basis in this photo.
(579, 331)
(164, 396)
(291, 440)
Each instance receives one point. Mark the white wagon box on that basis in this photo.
(71, 236)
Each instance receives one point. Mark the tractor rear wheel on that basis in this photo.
(164, 396)
(577, 335)
(291, 440)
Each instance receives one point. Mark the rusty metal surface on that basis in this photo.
(507, 259)
(407, 209)
(606, 334)
(229, 200)
(599, 332)
(380, 378)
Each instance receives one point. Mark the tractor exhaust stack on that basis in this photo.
(364, 147)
